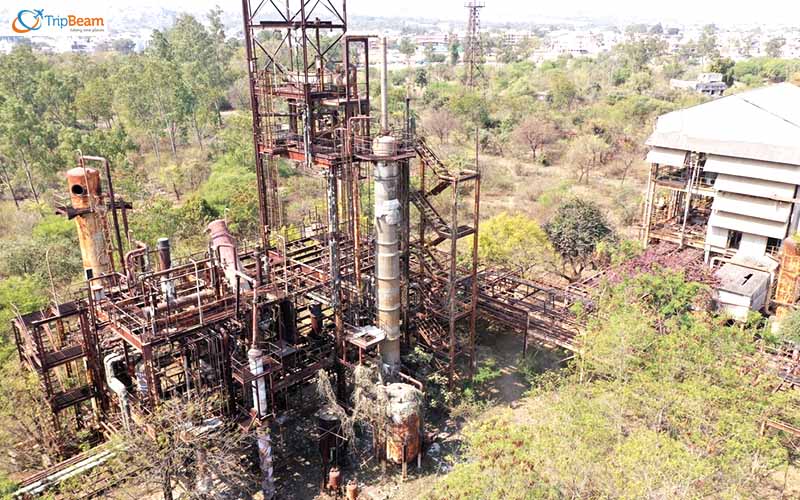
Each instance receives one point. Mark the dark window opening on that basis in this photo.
(774, 245)
(734, 239)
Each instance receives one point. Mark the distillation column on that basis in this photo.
(387, 232)
(387, 241)
(85, 195)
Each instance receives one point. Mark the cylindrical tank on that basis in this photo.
(330, 428)
(164, 254)
(387, 240)
(315, 311)
(256, 364)
(85, 195)
(352, 490)
(224, 244)
(403, 430)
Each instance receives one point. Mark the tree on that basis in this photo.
(124, 46)
(640, 82)
(637, 54)
(562, 90)
(94, 102)
(707, 44)
(774, 46)
(723, 66)
(513, 241)
(440, 122)
(407, 48)
(37, 101)
(534, 132)
(176, 443)
(421, 78)
(454, 50)
(629, 151)
(431, 57)
(574, 231)
(585, 154)
(664, 396)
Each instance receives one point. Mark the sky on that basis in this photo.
(686, 11)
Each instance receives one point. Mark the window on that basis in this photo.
(734, 239)
(774, 246)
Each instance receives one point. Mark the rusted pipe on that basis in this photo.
(164, 254)
(138, 251)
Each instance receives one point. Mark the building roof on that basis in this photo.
(741, 280)
(761, 124)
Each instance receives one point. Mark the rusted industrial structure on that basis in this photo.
(249, 325)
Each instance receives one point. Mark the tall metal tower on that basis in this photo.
(473, 55)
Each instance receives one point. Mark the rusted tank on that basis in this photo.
(86, 198)
(224, 245)
(352, 490)
(786, 291)
(403, 430)
(315, 311)
(330, 429)
(334, 479)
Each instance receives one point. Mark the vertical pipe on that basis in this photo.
(265, 460)
(164, 255)
(473, 317)
(693, 169)
(384, 89)
(451, 279)
(336, 284)
(84, 189)
(256, 362)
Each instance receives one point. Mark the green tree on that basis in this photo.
(34, 105)
(574, 232)
(774, 46)
(562, 90)
(638, 53)
(724, 66)
(421, 78)
(513, 241)
(454, 50)
(407, 48)
(661, 399)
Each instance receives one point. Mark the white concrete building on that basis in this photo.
(724, 178)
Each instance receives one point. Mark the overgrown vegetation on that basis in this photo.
(174, 122)
(663, 403)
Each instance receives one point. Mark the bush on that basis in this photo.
(661, 400)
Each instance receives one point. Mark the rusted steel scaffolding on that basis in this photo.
(249, 325)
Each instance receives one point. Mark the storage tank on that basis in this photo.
(404, 422)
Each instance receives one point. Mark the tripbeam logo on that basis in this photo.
(29, 21)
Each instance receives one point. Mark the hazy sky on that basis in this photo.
(720, 11)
